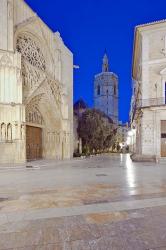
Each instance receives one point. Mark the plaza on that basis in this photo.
(103, 202)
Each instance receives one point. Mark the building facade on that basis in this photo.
(148, 105)
(106, 91)
(36, 88)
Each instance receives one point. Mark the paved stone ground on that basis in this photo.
(100, 203)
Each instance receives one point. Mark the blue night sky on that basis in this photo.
(89, 26)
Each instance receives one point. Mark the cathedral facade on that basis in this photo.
(106, 91)
(36, 88)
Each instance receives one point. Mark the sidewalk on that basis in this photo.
(50, 163)
(37, 164)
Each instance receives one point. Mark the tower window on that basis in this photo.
(107, 92)
(98, 90)
(114, 89)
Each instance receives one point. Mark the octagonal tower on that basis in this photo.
(106, 91)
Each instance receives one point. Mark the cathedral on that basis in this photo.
(106, 91)
(36, 88)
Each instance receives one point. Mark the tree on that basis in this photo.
(96, 131)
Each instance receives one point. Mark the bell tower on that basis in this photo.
(106, 91)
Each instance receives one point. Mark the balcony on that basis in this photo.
(146, 103)
(151, 102)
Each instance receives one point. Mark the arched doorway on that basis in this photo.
(34, 130)
(33, 73)
(42, 98)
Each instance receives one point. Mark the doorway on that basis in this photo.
(33, 143)
(163, 138)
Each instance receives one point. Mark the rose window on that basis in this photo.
(31, 52)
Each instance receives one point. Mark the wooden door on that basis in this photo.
(163, 138)
(33, 143)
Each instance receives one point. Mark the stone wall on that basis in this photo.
(36, 77)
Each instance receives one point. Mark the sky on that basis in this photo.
(88, 27)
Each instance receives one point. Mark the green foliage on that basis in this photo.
(96, 131)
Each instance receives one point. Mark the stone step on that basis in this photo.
(162, 160)
(143, 158)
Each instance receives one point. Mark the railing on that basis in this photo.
(145, 103)
(151, 102)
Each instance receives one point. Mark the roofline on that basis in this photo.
(150, 23)
(137, 31)
(111, 73)
(53, 32)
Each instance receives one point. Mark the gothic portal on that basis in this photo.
(36, 88)
(106, 91)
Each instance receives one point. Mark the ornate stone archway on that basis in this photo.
(42, 97)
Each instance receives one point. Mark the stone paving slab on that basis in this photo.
(76, 232)
(80, 210)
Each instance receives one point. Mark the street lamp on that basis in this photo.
(76, 66)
